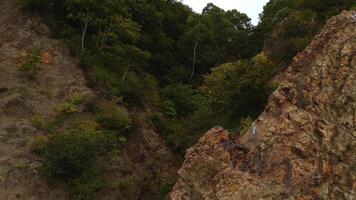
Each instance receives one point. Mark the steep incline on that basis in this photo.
(144, 158)
(302, 146)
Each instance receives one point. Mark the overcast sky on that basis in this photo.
(251, 7)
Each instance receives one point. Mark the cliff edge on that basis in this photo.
(302, 146)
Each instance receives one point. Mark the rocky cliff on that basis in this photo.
(144, 157)
(302, 146)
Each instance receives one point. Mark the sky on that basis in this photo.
(251, 7)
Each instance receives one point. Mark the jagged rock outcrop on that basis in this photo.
(302, 146)
(144, 157)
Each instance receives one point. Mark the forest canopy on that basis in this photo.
(189, 67)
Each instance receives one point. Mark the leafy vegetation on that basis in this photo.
(245, 124)
(115, 120)
(70, 158)
(164, 190)
(193, 71)
(239, 89)
(70, 155)
(287, 26)
(204, 63)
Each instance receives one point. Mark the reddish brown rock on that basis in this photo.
(302, 146)
(47, 58)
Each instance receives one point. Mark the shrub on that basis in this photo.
(86, 186)
(181, 100)
(85, 125)
(104, 79)
(67, 108)
(164, 191)
(238, 89)
(67, 156)
(30, 65)
(245, 124)
(133, 90)
(169, 109)
(38, 122)
(115, 119)
(77, 99)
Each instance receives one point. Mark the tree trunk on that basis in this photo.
(84, 30)
(194, 57)
(125, 73)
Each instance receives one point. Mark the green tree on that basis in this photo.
(238, 89)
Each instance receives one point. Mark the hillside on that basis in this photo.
(102, 99)
(27, 105)
(302, 146)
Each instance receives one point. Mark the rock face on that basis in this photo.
(144, 157)
(303, 146)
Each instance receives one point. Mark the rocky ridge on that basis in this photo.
(302, 146)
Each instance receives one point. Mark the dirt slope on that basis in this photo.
(303, 145)
(144, 158)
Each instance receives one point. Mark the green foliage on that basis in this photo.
(238, 89)
(31, 64)
(115, 120)
(67, 156)
(287, 26)
(67, 108)
(169, 109)
(245, 124)
(164, 190)
(83, 125)
(104, 80)
(155, 54)
(70, 158)
(77, 99)
(86, 186)
(213, 45)
(125, 184)
(181, 100)
(291, 36)
(38, 121)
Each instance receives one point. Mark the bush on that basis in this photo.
(77, 99)
(181, 100)
(239, 89)
(86, 186)
(68, 156)
(116, 120)
(38, 122)
(105, 80)
(67, 108)
(132, 92)
(164, 191)
(245, 124)
(30, 65)
(85, 125)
